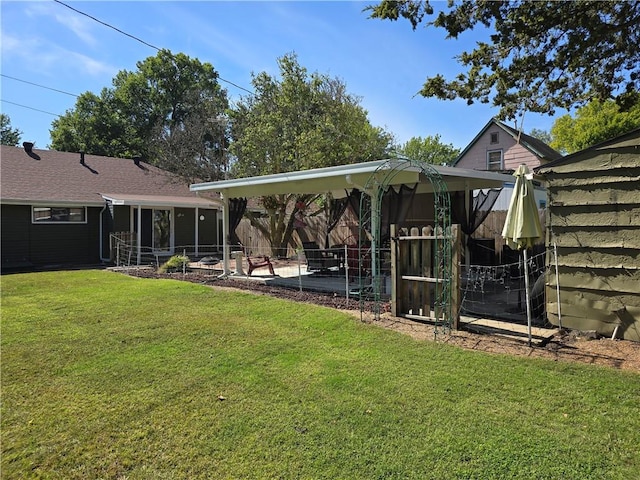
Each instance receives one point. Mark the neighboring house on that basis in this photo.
(594, 221)
(500, 148)
(61, 208)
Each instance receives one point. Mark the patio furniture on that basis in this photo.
(319, 259)
(259, 262)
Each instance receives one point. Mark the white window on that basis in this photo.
(494, 160)
(59, 215)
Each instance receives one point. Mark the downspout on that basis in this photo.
(102, 259)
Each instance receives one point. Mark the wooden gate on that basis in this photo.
(417, 282)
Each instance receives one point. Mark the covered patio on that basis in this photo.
(340, 180)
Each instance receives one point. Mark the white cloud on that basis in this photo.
(78, 25)
(46, 58)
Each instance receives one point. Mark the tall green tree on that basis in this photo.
(167, 111)
(540, 55)
(297, 122)
(541, 134)
(594, 123)
(8, 134)
(429, 149)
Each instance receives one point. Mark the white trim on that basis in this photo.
(496, 150)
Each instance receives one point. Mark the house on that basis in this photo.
(61, 208)
(500, 148)
(593, 221)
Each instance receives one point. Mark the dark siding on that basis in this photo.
(50, 244)
(207, 228)
(122, 219)
(184, 228)
(67, 244)
(16, 222)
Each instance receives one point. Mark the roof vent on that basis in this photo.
(28, 146)
(81, 158)
(136, 160)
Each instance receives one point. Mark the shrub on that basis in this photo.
(175, 263)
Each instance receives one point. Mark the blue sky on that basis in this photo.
(384, 63)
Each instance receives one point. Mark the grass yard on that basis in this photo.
(108, 376)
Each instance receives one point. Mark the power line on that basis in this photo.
(30, 108)
(38, 85)
(137, 39)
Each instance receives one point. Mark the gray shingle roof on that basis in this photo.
(51, 176)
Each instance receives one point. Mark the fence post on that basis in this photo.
(300, 270)
(395, 248)
(184, 264)
(346, 273)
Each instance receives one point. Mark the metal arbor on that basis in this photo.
(370, 226)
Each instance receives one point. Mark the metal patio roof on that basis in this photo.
(341, 178)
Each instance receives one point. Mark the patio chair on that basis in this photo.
(258, 262)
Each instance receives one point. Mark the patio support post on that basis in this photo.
(468, 204)
(225, 233)
(139, 235)
(196, 230)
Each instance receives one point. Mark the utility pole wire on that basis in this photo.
(30, 108)
(137, 39)
(38, 85)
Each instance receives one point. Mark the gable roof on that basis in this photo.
(51, 177)
(534, 145)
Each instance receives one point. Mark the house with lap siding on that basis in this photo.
(498, 147)
(501, 148)
(61, 209)
(593, 222)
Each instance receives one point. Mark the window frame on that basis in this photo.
(489, 163)
(83, 220)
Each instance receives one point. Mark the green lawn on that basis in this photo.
(107, 376)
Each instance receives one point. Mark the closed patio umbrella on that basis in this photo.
(522, 225)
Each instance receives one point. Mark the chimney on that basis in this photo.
(81, 158)
(136, 160)
(28, 146)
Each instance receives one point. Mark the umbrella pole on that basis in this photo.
(526, 291)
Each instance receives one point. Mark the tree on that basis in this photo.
(298, 122)
(540, 55)
(8, 135)
(429, 150)
(593, 123)
(542, 135)
(166, 111)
